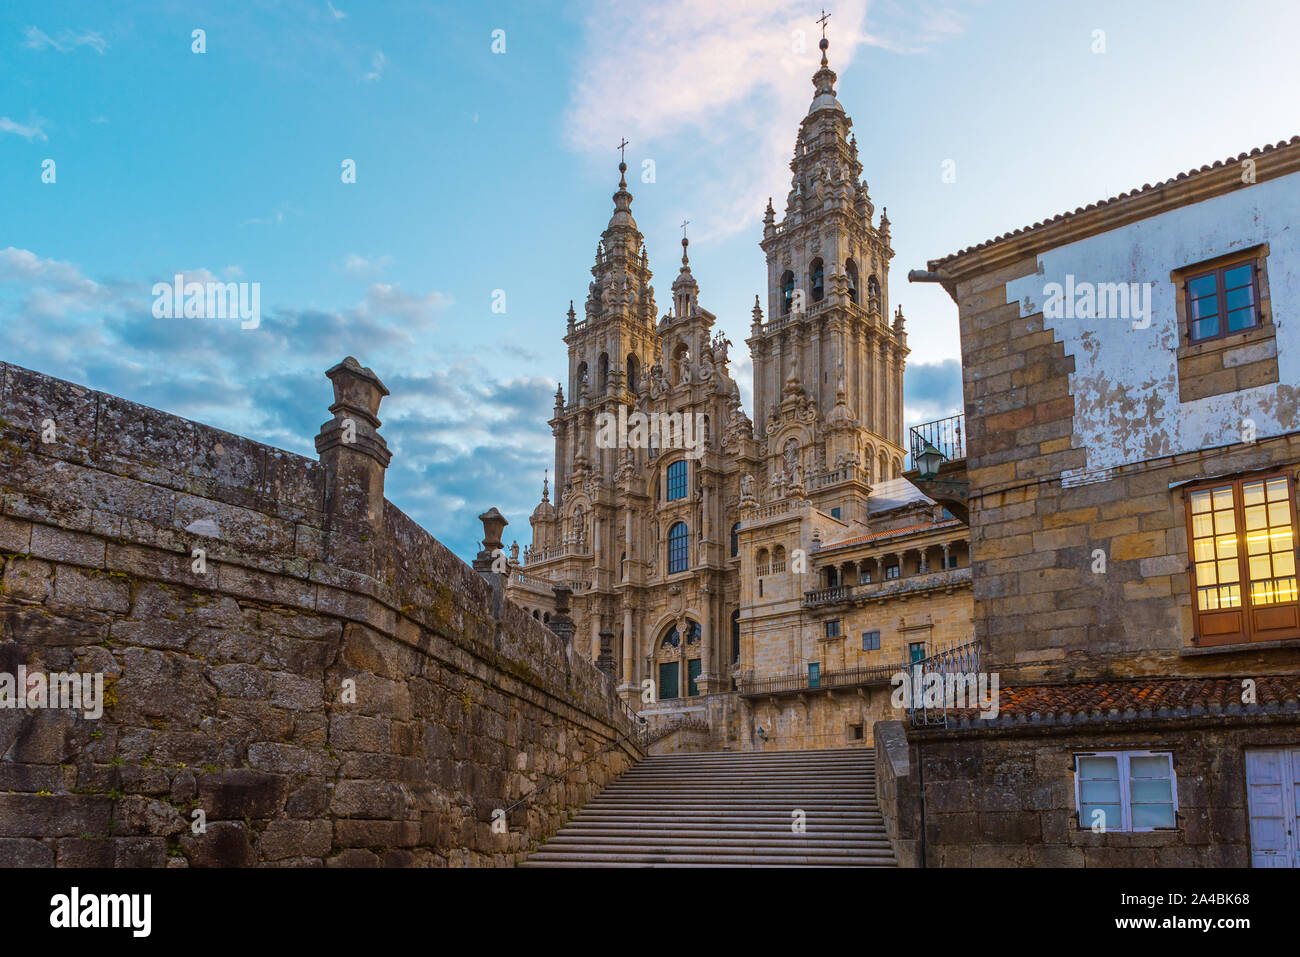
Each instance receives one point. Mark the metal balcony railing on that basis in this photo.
(793, 684)
(887, 588)
(947, 435)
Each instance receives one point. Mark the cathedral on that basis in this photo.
(723, 581)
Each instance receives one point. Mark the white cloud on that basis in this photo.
(274, 218)
(377, 64)
(28, 132)
(365, 267)
(714, 93)
(335, 13)
(66, 42)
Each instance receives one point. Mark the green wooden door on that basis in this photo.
(692, 673)
(814, 674)
(668, 680)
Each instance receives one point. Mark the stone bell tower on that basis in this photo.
(828, 363)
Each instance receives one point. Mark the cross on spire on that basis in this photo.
(621, 147)
(685, 223)
(824, 17)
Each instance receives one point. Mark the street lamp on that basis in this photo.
(929, 460)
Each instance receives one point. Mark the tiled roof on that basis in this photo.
(1146, 188)
(890, 532)
(1134, 699)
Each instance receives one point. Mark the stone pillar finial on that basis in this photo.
(605, 660)
(561, 623)
(494, 524)
(353, 452)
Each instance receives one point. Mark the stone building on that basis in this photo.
(691, 565)
(1130, 377)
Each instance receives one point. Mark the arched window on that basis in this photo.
(778, 558)
(873, 293)
(761, 560)
(679, 548)
(603, 372)
(735, 540)
(582, 375)
(817, 279)
(694, 633)
(633, 368)
(546, 618)
(735, 636)
(672, 639)
(787, 292)
(622, 566)
(535, 615)
(851, 273)
(677, 480)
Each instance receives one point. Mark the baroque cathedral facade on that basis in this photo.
(689, 572)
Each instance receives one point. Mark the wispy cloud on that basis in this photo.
(29, 131)
(334, 12)
(65, 42)
(678, 78)
(459, 434)
(366, 267)
(377, 64)
(274, 218)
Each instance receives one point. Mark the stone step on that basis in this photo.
(589, 859)
(678, 842)
(855, 833)
(730, 810)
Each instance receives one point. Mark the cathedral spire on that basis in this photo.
(824, 83)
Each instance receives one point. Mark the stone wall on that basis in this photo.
(332, 686)
(1006, 798)
(898, 791)
(1080, 574)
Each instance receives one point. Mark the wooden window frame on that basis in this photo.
(834, 625)
(1257, 258)
(1250, 630)
(873, 637)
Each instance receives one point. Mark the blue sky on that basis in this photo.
(480, 171)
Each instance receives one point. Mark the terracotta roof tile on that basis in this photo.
(1146, 188)
(1147, 697)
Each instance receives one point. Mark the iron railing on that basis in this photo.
(888, 588)
(947, 435)
(950, 663)
(791, 684)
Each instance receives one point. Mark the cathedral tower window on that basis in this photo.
(632, 370)
(603, 367)
(735, 540)
(851, 273)
(787, 292)
(817, 279)
(679, 548)
(677, 480)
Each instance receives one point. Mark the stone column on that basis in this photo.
(354, 456)
(629, 647)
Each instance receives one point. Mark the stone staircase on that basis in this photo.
(731, 809)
